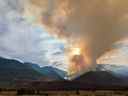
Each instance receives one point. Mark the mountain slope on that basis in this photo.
(91, 80)
(49, 71)
(101, 80)
(118, 70)
(11, 70)
(99, 77)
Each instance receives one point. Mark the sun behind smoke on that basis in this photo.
(76, 51)
(55, 21)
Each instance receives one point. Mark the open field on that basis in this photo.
(21, 92)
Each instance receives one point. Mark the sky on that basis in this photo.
(24, 41)
(118, 54)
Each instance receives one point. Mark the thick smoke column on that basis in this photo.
(95, 23)
(99, 22)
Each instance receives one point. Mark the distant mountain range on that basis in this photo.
(100, 78)
(89, 81)
(12, 70)
(105, 74)
(117, 70)
(49, 71)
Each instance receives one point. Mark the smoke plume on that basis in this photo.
(95, 23)
(98, 23)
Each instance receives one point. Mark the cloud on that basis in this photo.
(23, 41)
(118, 54)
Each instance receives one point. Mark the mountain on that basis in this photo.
(118, 70)
(91, 80)
(105, 75)
(49, 71)
(11, 70)
(99, 78)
